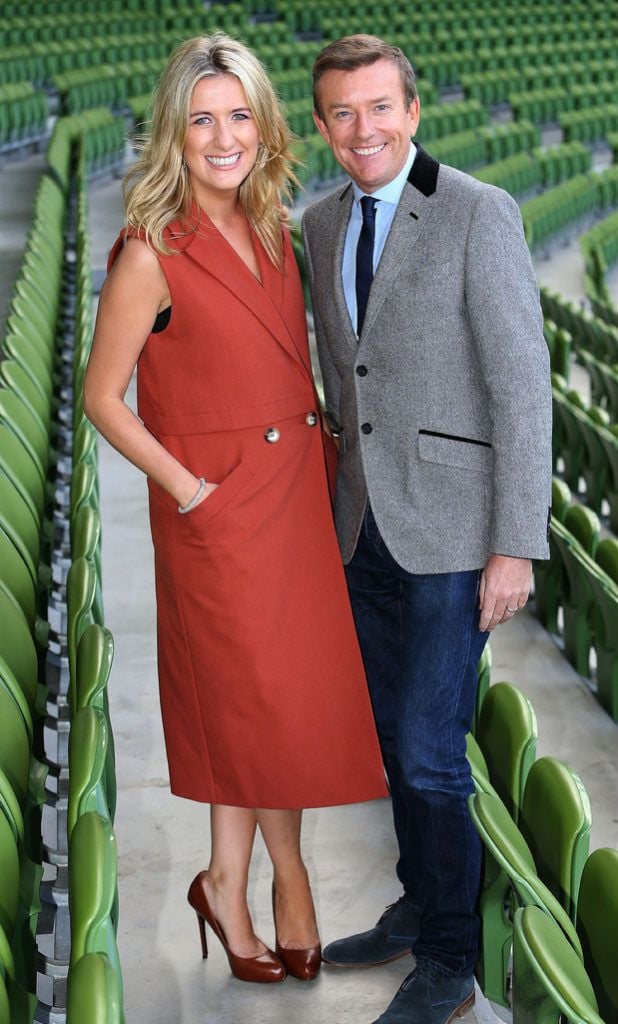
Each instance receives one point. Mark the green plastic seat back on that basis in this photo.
(83, 486)
(9, 878)
(88, 741)
(92, 888)
(599, 415)
(16, 577)
(17, 648)
(17, 522)
(94, 992)
(478, 766)
(549, 979)
(21, 421)
(81, 592)
(597, 927)
(5, 1010)
(17, 464)
(607, 557)
(85, 533)
(84, 442)
(507, 734)
(95, 653)
(14, 743)
(584, 525)
(560, 498)
(483, 683)
(555, 820)
(9, 806)
(15, 377)
(507, 845)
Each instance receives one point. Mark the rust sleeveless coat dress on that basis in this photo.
(263, 693)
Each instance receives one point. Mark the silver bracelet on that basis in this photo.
(183, 509)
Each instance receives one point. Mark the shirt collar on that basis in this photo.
(390, 193)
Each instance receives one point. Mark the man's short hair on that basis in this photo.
(353, 52)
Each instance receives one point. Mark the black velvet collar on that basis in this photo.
(423, 174)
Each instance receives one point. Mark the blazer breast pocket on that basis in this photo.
(454, 450)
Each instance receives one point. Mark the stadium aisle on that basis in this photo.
(163, 841)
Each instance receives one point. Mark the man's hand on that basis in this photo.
(505, 586)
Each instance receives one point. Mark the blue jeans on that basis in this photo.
(420, 639)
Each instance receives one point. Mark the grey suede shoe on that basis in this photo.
(392, 937)
(428, 996)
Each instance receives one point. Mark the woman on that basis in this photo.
(265, 706)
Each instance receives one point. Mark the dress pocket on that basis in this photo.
(219, 499)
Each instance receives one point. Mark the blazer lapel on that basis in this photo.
(412, 218)
(341, 309)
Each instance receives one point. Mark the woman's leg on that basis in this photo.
(233, 832)
(294, 910)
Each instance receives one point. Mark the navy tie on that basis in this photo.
(364, 259)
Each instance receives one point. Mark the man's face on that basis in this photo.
(366, 122)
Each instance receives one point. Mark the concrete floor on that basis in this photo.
(164, 841)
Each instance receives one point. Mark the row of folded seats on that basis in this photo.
(23, 115)
(58, 874)
(545, 58)
(600, 251)
(576, 593)
(549, 907)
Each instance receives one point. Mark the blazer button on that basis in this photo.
(272, 435)
(311, 419)
(362, 371)
(366, 428)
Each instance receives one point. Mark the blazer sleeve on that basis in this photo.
(331, 380)
(502, 300)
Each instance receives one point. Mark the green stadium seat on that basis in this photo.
(555, 821)
(597, 927)
(94, 993)
(507, 734)
(550, 983)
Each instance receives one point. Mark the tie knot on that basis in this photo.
(368, 205)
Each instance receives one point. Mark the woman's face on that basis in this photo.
(222, 142)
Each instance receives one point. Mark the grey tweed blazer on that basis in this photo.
(444, 403)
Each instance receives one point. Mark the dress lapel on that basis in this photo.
(210, 250)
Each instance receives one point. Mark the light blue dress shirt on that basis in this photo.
(389, 196)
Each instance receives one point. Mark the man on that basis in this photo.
(436, 378)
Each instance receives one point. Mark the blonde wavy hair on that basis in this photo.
(157, 189)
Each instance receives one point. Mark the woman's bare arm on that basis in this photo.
(132, 295)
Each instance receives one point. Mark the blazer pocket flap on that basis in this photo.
(447, 450)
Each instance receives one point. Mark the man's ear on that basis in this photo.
(414, 115)
(321, 127)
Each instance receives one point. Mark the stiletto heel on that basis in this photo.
(202, 924)
(267, 967)
(303, 964)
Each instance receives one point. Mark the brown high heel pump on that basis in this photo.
(265, 968)
(303, 964)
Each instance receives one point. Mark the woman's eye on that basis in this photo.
(239, 116)
(202, 120)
